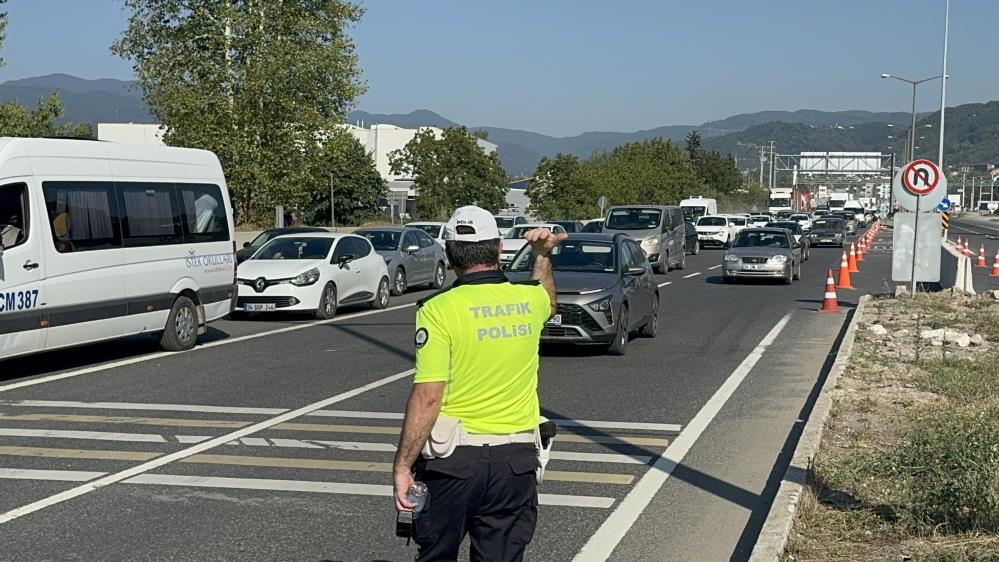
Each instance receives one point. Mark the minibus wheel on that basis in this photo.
(181, 331)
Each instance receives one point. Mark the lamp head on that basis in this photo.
(886, 75)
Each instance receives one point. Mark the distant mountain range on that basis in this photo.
(974, 127)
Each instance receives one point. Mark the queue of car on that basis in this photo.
(605, 271)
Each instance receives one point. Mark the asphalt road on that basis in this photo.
(672, 451)
(982, 231)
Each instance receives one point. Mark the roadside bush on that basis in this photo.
(947, 470)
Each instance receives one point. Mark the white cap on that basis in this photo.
(475, 223)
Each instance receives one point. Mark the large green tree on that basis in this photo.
(450, 171)
(260, 83)
(357, 185)
(16, 120)
(562, 188)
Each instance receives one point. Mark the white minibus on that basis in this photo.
(101, 240)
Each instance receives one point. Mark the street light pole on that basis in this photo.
(912, 132)
(943, 86)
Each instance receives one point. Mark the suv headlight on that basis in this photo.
(779, 258)
(651, 242)
(602, 305)
(731, 257)
(307, 278)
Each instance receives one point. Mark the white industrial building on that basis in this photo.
(379, 140)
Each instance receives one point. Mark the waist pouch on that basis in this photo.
(444, 437)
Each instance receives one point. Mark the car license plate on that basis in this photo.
(266, 307)
(755, 267)
(555, 320)
(826, 241)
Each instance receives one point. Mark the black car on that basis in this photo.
(570, 226)
(594, 226)
(691, 243)
(249, 248)
(606, 291)
(827, 231)
(799, 235)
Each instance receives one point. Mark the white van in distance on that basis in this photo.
(101, 240)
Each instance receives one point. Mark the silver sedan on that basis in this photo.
(769, 253)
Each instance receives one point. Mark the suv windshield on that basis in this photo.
(573, 255)
(432, 230)
(827, 223)
(757, 239)
(712, 221)
(633, 219)
(297, 248)
(504, 222)
(382, 240)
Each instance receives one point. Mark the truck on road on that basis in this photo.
(781, 199)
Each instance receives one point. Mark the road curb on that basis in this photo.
(777, 527)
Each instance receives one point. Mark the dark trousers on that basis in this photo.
(489, 493)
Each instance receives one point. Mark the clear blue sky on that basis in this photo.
(567, 66)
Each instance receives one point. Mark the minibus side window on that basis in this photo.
(204, 216)
(83, 215)
(14, 215)
(152, 215)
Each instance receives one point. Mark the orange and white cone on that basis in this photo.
(861, 248)
(853, 259)
(995, 266)
(844, 274)
(959, 247)
(829, 301)
(981, 257)
(967, 248)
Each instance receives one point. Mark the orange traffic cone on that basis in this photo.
(995, 266)
(861, 248)
(959, 247)
(853, 259)
(967, 248)
(981, 257)
(829, 301)
(844, 274)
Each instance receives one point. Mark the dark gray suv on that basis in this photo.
(606, 291)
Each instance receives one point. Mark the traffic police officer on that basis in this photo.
(477, 370)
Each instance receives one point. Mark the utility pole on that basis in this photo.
(762, 159)
(772, 164)
(332, 204)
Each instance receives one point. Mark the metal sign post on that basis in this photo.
(602, 203)
(916, 181)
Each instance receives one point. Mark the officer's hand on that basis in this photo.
(403, 481)
(543, 241)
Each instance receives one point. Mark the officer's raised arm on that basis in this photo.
(543, 241)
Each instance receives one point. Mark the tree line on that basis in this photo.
(653, 172)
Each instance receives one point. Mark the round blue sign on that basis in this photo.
(944, 205)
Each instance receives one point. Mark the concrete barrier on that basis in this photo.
(955, 269)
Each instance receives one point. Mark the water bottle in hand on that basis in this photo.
(418, 494)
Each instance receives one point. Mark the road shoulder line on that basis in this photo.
(777, 527)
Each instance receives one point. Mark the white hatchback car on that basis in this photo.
(714, 230)
(314, 272)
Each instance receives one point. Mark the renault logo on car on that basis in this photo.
(260, 284)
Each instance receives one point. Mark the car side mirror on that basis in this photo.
(411, 249)
(345, 259)
(505, 267)
(797, 244)
(1, 248)
(636, 270)
(246, 244)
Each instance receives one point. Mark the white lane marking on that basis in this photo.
(715, 266)
(601, 544)
(597, 502)
(287, 443)
(596, 424)
(198, 448)
(160, 354)
(90, 435)
(669, 427)
(59, 475)
(330, 488)
(140, 406)
(664, 283)
(694, 274)
(976, 225)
